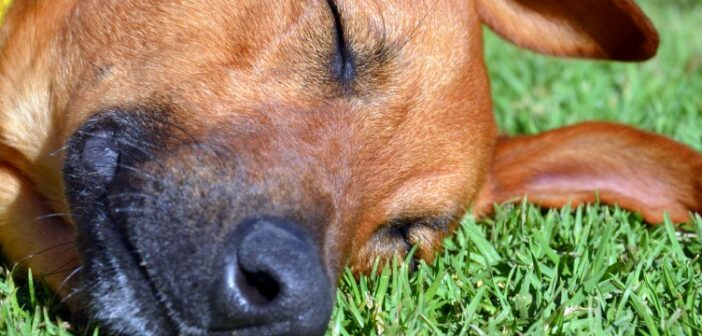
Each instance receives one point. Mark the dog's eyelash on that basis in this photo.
(343, 63)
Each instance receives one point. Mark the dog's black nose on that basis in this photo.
(272, 280)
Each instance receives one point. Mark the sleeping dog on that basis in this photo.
(209, 167)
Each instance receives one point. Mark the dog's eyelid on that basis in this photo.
(343, 63)
(403, 225)
(428, 220)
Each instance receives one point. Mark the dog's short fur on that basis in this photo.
(191, 144)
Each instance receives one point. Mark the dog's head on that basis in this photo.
(226, 159)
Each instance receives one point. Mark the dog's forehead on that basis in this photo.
(247, 14)
(246, 30)
(228, 52)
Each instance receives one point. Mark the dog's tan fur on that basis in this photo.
(31, 187)
(413, 136)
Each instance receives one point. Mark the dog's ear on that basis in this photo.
(605, 29)
(615, 164)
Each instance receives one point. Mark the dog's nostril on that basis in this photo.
(259, 288)
(273, 278)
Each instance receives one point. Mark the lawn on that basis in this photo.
(593, 270)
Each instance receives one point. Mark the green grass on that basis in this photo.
(28, 309)
(594, 270)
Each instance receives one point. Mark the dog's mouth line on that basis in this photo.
(131, 253)
(170, 314)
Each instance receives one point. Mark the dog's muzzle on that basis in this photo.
(180, 246)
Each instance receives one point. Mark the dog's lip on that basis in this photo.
(119, 251)
(171, 315)
(131, 250)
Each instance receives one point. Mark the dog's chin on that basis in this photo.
(114, 290)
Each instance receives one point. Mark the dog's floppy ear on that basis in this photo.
(605, 29)
(614, 164)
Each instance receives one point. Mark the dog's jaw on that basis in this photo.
(118, 298)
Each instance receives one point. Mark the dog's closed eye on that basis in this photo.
(400, 235)
(344, 66)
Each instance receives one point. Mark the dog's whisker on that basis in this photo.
(54, 215)
(142, 173)
(140, 149)
(62, 268)
(68, 277)
(59, 255)
(30, 256)
(131, 210)
(67, 262)
(131, 194)
(74, 292)
(57, 151)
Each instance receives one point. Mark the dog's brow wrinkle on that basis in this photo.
(343, 63)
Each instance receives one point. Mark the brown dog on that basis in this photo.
(220, 161)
